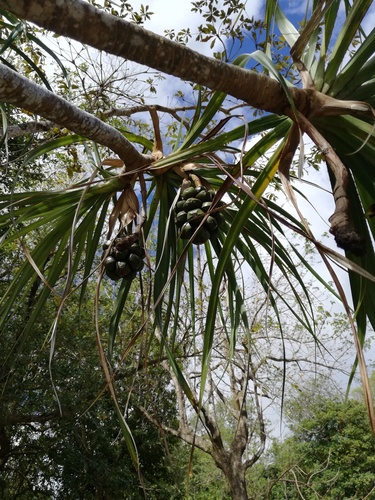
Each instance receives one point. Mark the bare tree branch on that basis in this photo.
(142, 108)
(19, 91)
(27, 419)
(146, 108)
(184, 434)
(26, 128)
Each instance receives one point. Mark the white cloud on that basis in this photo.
(170, 14)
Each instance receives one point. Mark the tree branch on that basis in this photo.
(28, 419)
(81, 21)
(19, 91)
(182, 433)
(142, 108)
(146, 108)
(262, 431)
(26, 128)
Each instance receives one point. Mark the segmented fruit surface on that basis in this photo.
(190, 210)
(124, 259)
(190, 192)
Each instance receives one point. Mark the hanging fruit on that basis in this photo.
(191, 207)
(125, 257)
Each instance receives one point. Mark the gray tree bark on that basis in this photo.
(19, 91)
(82, 22)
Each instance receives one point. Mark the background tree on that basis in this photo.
(246, 378)
(330, 453)
(80, 452)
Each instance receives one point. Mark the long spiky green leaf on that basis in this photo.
(345, 37)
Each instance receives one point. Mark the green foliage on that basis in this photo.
(14, 175)
(79, 453)
(330, 454)
(248, 222)
(206, 481)
(125, 10)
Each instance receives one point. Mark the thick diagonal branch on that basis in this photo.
(81, 21)
(19, 91)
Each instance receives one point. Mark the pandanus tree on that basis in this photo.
(141, 211)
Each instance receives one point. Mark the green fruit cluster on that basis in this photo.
(190, 209)
(124, 260)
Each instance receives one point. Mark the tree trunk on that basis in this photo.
(234, 472)
(237, 483)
